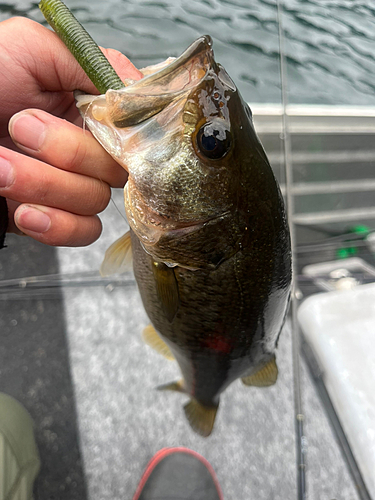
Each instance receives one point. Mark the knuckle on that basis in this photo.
(41, 191)
(76, 156)
(83, 231)
(98, 196)
(105, 196)
(74, 232)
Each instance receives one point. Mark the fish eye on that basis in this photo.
(214, 139)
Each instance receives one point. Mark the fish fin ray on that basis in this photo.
(264, 377)
(151, 337)
(177, 386)
(118, 258)
(166, 289)
(201, 418)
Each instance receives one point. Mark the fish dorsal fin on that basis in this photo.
(152, 338)
(201, 418)
(264, 377)
(166, 289)
(118, 258)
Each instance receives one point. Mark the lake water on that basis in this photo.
(330, 44)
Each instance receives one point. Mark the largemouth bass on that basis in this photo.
(208, 233)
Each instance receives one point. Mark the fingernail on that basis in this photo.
(27, 131)
(32, 219)
(6, 173)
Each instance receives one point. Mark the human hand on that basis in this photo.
(55, 190)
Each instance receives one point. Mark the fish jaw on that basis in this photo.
(150, 129)
(112, 116)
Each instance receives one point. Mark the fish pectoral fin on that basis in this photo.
(166, 289)
(118, 258)
(172, 386)
(201, 418)
(152, 338)
(264, 377)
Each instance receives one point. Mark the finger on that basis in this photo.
(56, 227)
(123, 67)
(27, 180)
(52, 67)
(64, 145)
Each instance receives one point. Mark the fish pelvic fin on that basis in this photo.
(201, 418)
(118, 258)
(173, 386)
(264, 377)
(151, 337)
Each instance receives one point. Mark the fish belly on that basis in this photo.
(223, 323)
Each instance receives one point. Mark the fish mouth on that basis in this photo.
(199, 53)
(142, 99)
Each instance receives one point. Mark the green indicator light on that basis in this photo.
(342, 253)
(360, 229)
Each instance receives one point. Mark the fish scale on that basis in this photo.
(209, 238)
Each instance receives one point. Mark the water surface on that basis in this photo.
(329, 44)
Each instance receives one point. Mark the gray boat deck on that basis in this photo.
(71, 349)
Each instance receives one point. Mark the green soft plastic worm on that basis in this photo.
(81, 45)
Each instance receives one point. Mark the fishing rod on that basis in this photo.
(288, 169)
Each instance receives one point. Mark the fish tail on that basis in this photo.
(201, 418)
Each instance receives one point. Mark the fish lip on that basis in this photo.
(202, 45)
(145, 98)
